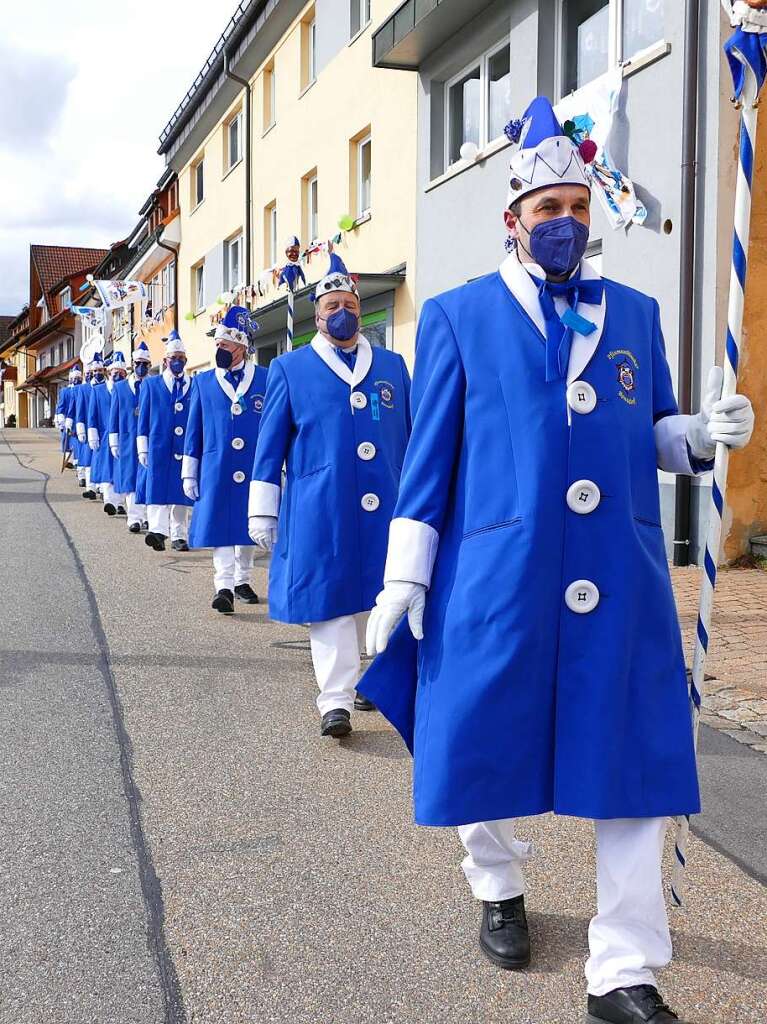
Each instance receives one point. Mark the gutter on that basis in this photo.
(248, 184)
(174, 250)
(688, 210)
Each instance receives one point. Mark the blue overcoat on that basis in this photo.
(123, 429)
(84, 453)
(99, 404)
(65, 408)
(162, 434)
(551, 674)
(342, 436)
(219, 452)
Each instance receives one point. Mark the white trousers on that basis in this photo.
(629, 937)
(82, 472)
(169, 520)
(336, 646)
(136, 513)
(231, 566)
(111, 496)
(88, 486)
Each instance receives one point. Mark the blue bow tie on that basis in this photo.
(349, 356)
(559, 330)
(178, 387)
(234, 377)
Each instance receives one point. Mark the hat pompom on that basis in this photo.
(588, 150)
(513, 129)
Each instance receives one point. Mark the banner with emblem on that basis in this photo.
(116, 294)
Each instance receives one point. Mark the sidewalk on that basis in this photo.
(735, 698)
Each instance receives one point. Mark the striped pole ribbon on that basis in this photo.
(291, 314)
(748, 98)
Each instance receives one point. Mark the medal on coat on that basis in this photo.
(236, 409)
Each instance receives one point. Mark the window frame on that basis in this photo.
(270, 234)
(235, 120)
(482, 61)
(313, 212)
(199, 286)
(65, 298)
(364, 211)
(198, 176)
(229, 245)
(269, 86)
(311, 51)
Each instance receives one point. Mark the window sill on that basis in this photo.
(232, 168)
(196, 208)
(359, 32)
(268, 129)
(496, 146)
(645, 58)
(306, 88)
(363, 218)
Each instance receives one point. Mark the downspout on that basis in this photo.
(687, 263)
(174, 250)
(248, 184)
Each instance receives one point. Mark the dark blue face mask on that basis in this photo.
(557, 246)
(141, 369)
(176, 366)
(98, 376)
(224, 358)
(342, 325)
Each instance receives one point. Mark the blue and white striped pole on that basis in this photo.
(747, 50)
(291, 316)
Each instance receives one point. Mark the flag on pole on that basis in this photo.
(116, 294)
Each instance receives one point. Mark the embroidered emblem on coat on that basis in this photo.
(386, 393)
(258, 403)
(626, 377)
(627, 369)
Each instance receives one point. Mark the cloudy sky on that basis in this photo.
(85, 89)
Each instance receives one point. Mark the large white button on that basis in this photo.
(238, 477)
(179, 406)
(238, 444)
(583, 497)
(582, 597)
(178, 456)
(581, 397)
(359, 400)
(366, 451)
(370, 502)
(178, 431)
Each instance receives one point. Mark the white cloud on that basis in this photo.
(83, 99)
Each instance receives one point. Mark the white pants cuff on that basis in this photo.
(88, 478)
(111, 496)
(168, 520)
(494, 867)
(232, 566)
(336, 648)
(136, 513)
(81, 472)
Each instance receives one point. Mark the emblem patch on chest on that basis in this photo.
(386, 393)
(627, 369)
(258, 403)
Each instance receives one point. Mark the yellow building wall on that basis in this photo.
(314, 129)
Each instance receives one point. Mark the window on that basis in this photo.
(308, 51)
(233, 137)
(478, 102)
(171, 293)
(364, 175)
(270, 97)
(270, 235)
(70, 348)
(311, 207)
(61, 352)
(233, 264)
(65, 298)
(198, 183)
(598, 34)
(198, 289)
(360, 15)
(117, 323)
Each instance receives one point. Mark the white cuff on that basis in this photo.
(264, 499)
(68, 423)
(412, 551)
(671, 445)
(114, 440)
(93, 434)
(142, 444)
(59, 420)
(190, 467)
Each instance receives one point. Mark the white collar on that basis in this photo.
(226, 387)
(168, 377)
(327, 353)
(517, 277)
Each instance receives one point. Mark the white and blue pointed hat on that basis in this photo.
(337, 279)
(546, 155)
(76, 372)
(141, 353)
(174, 345)
(97, 362)
(292, 243)
(238, 326)
(118, 362)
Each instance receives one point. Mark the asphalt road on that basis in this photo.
(177, 843)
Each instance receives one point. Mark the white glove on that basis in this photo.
(94, 445)
(395, 599)
(746, 16)
(729, 420)
(115, 451)
(191, 490)
(81, 436)
(143, 460)
(59, 421)
(263, 531)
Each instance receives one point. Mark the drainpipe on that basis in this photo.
(687, 263)
(248, 186)
(174, 250)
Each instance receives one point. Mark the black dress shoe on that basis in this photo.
(336, 723)
(639, 1004)
(109, 508)
(134, 528)
(144, 524)
(246, 593)
(504, 937)
(224, 602)
(155, 540)
(362, 703)
(179, 545)
(121, 510)
(89, 494)
(81, 483)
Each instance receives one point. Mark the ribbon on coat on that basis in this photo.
(559, 330)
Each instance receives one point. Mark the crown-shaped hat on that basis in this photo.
(293, 243)
(97, 362)
(547, 155)
(118, 362)
(141, 352)
(174, 345)
(76, 371)
(337, 279)
(238, 326)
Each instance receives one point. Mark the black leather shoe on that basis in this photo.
(134, 528)
(504, 937)
(89, 494)
(179, 545)
(224, 602)
(81, 483)
(362, 703)
(110, 509)
(121, 510)
(246, 593)
(144, 525)
(155, 540)
(336, 723)
(639, 1004)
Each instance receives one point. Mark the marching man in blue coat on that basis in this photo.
(224, 415)
(527, 552)
(99, 411)
(80, 416)
(65, 409)
(123, 430)
(337, 415)
(162, 416)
